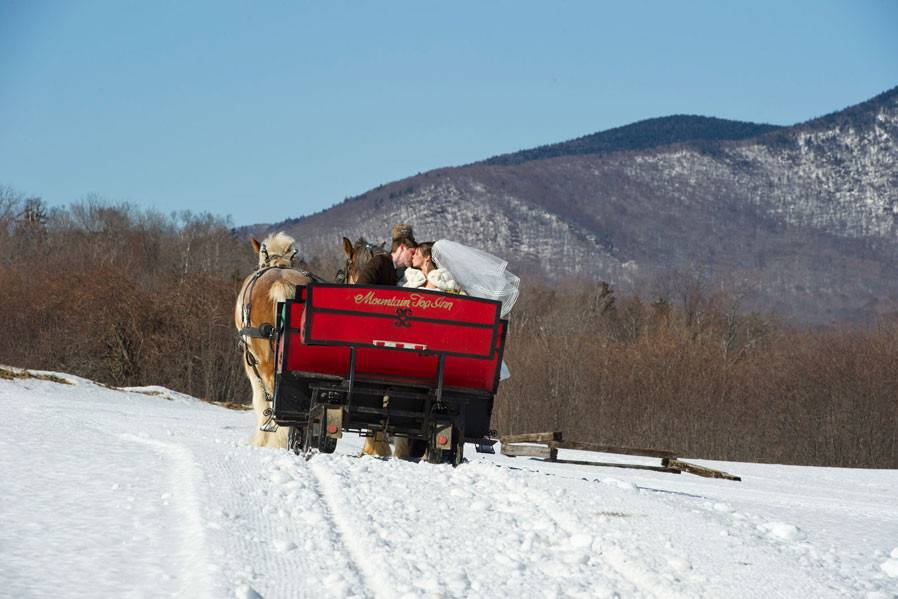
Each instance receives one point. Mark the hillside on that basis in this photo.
(800, 220)
(643, 135)
(159, 494)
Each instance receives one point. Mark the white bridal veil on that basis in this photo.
(480, 274)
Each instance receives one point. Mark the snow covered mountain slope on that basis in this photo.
(109, 492)
(803, 219)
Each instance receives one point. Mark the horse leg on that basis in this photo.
(279, 438)
(401, 447)
(376, 445)
(261, 438)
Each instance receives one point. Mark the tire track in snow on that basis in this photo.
(750, 549)
(357, 543)
(182, 485)
(275, 519)
(613, 556)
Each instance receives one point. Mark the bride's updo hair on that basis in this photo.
(424, 248)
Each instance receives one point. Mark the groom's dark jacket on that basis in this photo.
(378, 271)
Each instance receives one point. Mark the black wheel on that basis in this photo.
(327, 444)
(458, 450)
(295, 439)
(310, 438)
(458, 439)
(437, 456)
(314, 438)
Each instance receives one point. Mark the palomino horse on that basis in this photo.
(273, 282)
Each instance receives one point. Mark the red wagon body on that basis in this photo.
(406, 361)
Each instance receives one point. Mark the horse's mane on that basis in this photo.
(363, 251)
(278, 249)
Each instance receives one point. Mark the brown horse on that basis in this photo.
(357, 255)
(273, 282)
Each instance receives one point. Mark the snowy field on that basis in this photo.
(148, 493)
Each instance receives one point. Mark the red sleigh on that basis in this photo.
(413, 363)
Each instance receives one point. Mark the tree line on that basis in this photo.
(692, 373)
(131, 297)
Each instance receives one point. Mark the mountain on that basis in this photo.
(800, 219)
(644, 135)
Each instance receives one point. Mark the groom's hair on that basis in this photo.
(402, 235)
(408, 242)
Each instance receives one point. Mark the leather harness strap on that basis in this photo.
(265, 330)
(248, 331)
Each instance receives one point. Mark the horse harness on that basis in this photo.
(266, 330)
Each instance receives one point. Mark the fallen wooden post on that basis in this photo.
(698, 470)
(519, 450)
(545, 446)
(648, 453)
(532, 438)
(618, 465)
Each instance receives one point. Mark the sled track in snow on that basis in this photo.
(612, 555)
(182, 477)
(371, 570)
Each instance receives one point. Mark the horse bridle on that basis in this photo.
(264, 330)
(342, 275)
(269, 258)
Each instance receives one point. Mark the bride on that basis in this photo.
(455, 268)
(425, 273)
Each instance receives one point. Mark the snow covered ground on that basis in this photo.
(150, 493)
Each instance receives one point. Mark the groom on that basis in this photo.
(381, 269)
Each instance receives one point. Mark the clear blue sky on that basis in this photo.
(270, 110)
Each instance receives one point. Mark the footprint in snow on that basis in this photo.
(620, 484)
(890, 566)
(679, 564)
(279, 476)
(245, 591)
(283, 546)
(455, 492)
(580, 541)
(781, 531)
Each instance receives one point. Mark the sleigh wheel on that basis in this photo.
(327, 444)
(458, 455)
(315, 440)
(436, 456)
(296, 439)
(311, 438)
(441, 456)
